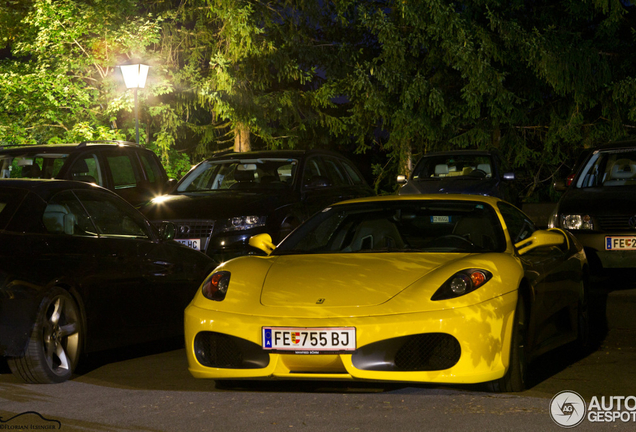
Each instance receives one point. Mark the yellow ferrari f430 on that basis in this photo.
(420, 288)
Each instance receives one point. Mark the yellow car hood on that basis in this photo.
(345, 280)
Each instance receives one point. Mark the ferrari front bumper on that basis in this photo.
(482, 333)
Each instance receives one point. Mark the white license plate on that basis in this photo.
(309, 340)
(191, 243)
(440, 219)
(620, 243)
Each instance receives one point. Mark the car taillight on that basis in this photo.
(569, 179)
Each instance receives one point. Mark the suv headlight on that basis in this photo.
(577, 222)
(242, 223)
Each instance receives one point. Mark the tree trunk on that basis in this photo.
(405, 164)
(242, 138)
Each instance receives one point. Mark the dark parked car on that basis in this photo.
(131, 171)
(475, 172)
(81, 270)
(599, 206)
(225, 200)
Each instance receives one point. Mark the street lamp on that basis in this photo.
(135, 78)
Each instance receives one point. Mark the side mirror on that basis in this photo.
(167, 230)
(541, 238)
(559, 185)
(509, 176)
(263, 242)
(401, 179)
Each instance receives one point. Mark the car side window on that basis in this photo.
(519, 225)
(353, 172)
(151, 167)
(87, 169)
(335, 172)
(316, 174)
(65, 215)
(112, 216)
(123, 170)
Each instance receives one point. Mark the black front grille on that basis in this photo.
(223, 351)
(428, 352)
(615, 222)
(191, 229)
(421, 352)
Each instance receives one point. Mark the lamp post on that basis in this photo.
(135, 78)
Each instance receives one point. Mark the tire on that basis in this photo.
(515, 378)
(54, 346)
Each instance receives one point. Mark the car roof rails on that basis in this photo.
(85, 143)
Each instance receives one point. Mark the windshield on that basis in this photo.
(469, 166)
(31, 165)
(612, 168)
(240, 174)
(399, 226)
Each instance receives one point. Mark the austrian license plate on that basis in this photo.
(191, 243)
(309, 340)
(620, 243)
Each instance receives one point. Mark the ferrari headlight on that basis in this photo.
(577, 222)
(461, 283)
(242, 223)
(215, 286)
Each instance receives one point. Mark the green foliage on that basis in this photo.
(536, 80)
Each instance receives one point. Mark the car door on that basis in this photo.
(549, 271)
(87, 167)
(137, 294)
(103, 273)
(126, 175)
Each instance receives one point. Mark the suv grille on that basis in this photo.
(615, 222)
(188, 229)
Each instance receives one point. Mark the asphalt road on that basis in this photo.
(150, 389)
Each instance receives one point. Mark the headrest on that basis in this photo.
(441, 169)
(243, 175)
(79, 166)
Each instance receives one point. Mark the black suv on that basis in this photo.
(225, 200)
(131, 171)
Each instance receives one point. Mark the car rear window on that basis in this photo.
(32, 165)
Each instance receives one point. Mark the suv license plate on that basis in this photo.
(309, 340)
(620, 243)
(191, 243)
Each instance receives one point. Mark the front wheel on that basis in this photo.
(54, 347)
(515, 378)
